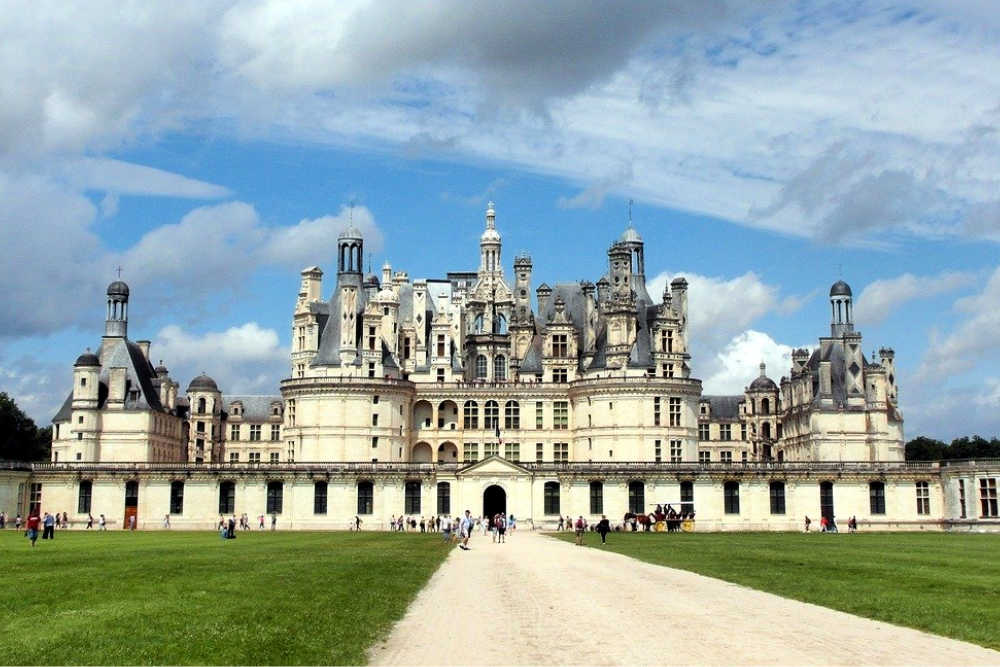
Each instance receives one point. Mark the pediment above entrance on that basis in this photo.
(493, 465)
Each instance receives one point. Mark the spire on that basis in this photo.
(763, 370)
(491, 216)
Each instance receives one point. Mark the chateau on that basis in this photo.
(430, 396)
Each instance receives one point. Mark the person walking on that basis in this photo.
(466, 530)
(166, 521)
(48, 527)
(581, 528)
(58, 520)
(261, 526)
(90, 521)
(103, 523)
(511, 524)
(17, 521)
(131, 522)
(501, 527)
(65, 520)
(231, 533)
(32, 532)
(274, 520)
(357, 523)
(808, 523)
(603, 528)
(560, 524)
(445, 525)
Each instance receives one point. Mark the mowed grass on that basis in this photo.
(944, 583)
(192, 598)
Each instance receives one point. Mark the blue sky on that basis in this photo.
(212, 150)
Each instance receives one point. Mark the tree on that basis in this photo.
(20, 439)
(925, 449)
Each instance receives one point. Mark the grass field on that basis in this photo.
(191, 598)
(948, 584)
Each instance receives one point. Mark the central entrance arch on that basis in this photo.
(494, 501)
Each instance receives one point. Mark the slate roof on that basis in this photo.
(255, 407)
(724, 407)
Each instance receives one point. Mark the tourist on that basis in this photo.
(357, 523)
(511, 524)
(261, 523)
(131, 522)
(423, 525)
(560, 524)
(222, 529)
(48, 527)
(445, 528)
(274, 520)
(852, 524)
(392, 523)
(166, 521)
(501, 528)
(3, 520)
(58, 521)
(824, 524)
(808, 522)
(581, 527)
(32, 532)
(231, 533)
(90, 521)
(103, 523)
(466, 529)
(603, 528)
(65, 520)
(17, 521)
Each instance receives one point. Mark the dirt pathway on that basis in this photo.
(552, 603)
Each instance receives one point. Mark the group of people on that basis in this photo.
(496, 524)
(46, 522)
(828, 525)
(227, 528)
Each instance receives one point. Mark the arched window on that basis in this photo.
(732, 497)
(481, 367)
(492, 416)
(765, 430)
(500, 368)
(227, 497)
(552, 497)
(444, 499)
(411, 500)
(501, 324)
(597, 497)
(637, 497)
(366, 497)
(470, 415)
(765, 406)
(201, 406)
(512, 415)
(477, 326)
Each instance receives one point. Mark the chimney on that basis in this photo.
(144, 346)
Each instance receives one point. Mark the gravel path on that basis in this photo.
(551, 603)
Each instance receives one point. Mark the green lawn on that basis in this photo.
(191, 598)
(944, 583)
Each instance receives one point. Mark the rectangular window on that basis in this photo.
(731, 492)
(374, 441)
(512, 415)
(35, 500)
(551, 498)
(987, 496)
(366, 497)
(876, 497)
(675, 451)
(491, 449)
(254, 432)
(254, 457)
(560, 414)
(961, 497)
(726, 457)
(275, 432)
(440, 345)
(560, 452)
(596, 498)
(743, 431)
(275, 497)
(274, 457)
(703, 432)
(923, 498)
(227, 497)
(406, 348)
(375, 399)
(371, 338)
(777, 497)
(291, 452)
(725, 431)
(539, 452)
(234, 432)
(704, 457)
(560, 348)
(675, 411)
(513, 451)
(411, 500)
(470, 452)
(234, 457)
(560, 375)
(656, 411)
(538, 415)
(657, 451)
(687, 497)
(176, 497)
(374, 419)
(444, 499)
(371, 369)
(290, 412)
(86, 492)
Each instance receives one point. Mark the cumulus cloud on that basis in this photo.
(737, 364)
(314, 241)
(127, 178)
(880, 298)
(39, 386)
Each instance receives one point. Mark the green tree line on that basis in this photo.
(929, 449)
(20, 439)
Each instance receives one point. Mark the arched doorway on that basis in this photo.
(421, 453)
(494, 501)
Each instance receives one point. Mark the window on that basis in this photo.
(371, 369)
(726, 457)
(371, 338)
(513, 451)
(923, 498)
(987, 496)
(254, 432)
(374, 419)
(667, 340)
(703, 431)
(512, 415)
(725, 431)
(560, 347)
(743, 457)
(234, 432)
(491, 418)
(500, 368)
(440, 375)
(560, 414)
(560, 375)
(411, 500)
(876, 497)
(440, 345)
(731, 492)
(227, 497)
(539, 452)
(254, 457)
(656, 411)
(275, 497)
(199, 426)
(274, 457)
(704, 457)
(374, 441)
(675, 411)
(961, 497)
(481, 367)
(444, 499)
(596, 498)
(291, 451)
(637, 497)
(470, 415)
(176, 497)
(826, 500)
(275, 432)
(83, 501)
(675, 451)
(83, 382)
(687, 497)
(375, 399)
(201, 406)
(777, 497)
(551, 504)
(406, 347)
(491, 449)
(560, 452)
(234, 457)
(539, 420)
(657, 451)
(79, 436)
(470, 452)
(290, 412)
(366, 496)
(743, 431)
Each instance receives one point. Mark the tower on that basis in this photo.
(489, 247)
(350, 251)
(841, 310)
(116, 324)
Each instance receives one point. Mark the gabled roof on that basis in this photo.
(492, 465)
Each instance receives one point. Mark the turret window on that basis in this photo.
(560, 346)
(675, 411)
(440, 345)
(481, 367)
(500, 368)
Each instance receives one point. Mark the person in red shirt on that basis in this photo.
(33, 522)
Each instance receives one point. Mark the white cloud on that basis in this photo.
(738, 363)
(38, 386)
(880, 298)
(128, 178)
(314, 241)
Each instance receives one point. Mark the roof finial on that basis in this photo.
(119, 272)
(490, 215)
(763, 368)
(630, 212)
